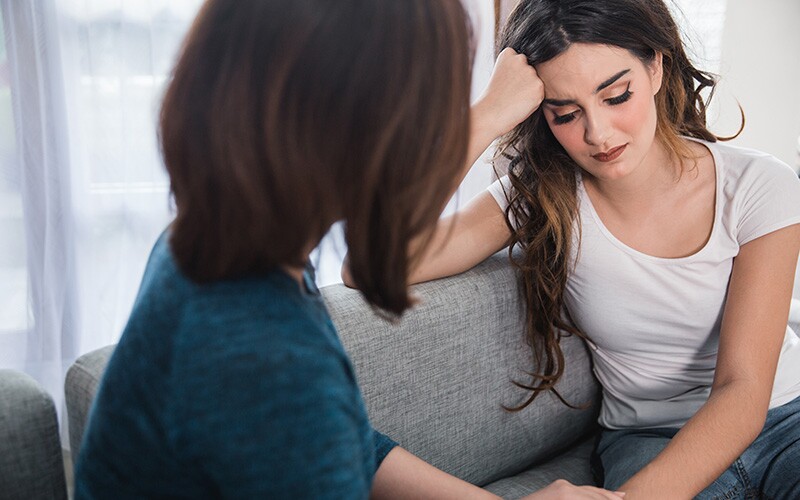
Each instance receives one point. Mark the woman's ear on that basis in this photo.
(656, 70)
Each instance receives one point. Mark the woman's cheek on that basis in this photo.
(637, 118)
(569, 136)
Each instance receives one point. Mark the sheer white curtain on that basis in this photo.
(40, 316)
(83, 192)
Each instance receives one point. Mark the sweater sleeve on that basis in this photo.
(383, 445)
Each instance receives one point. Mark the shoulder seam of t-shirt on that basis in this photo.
(771, 229)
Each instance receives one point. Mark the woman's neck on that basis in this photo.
(662, 180)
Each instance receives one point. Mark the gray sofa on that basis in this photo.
(437, 380)
(31, 465)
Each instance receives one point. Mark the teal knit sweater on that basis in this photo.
(236, 389)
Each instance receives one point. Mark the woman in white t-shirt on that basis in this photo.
(673, 255)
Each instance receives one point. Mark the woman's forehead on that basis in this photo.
(585, 67)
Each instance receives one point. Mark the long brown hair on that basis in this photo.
(284, 116)
(543, 203)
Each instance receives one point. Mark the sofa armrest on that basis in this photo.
(31, 461)
(80, 387)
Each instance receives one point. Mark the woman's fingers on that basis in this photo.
(564, 490)
(513, 93)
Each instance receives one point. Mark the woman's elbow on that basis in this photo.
(347, 278)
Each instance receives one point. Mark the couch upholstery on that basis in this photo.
(80, 387)
(31, 461)
(436, 382)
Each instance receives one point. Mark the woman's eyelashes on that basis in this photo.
(561, 119)
(620, 98)
(613, 101)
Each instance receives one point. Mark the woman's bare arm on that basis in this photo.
(403, 476)
(753, 327)
(513, 93)
(463, 240)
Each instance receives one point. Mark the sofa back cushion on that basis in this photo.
(437, 380)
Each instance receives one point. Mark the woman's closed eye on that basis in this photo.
(613, 101)
(623, 97)
(561, 119)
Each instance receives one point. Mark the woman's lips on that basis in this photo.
(611, 154)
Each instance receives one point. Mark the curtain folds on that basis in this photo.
(85, 77)
(46, 340)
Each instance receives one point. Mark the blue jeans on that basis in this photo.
(768, 469)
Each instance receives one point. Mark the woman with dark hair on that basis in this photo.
(282, 117)
(673, 255)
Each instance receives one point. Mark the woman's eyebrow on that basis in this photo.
(611, 80)
(605, 84)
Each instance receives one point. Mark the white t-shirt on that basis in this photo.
(654, 322)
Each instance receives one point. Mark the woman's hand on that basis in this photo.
(402, 476)
(513, 94)
(564, 490)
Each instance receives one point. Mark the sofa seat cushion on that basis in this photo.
(572, 465)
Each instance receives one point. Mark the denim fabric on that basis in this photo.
(769, 468)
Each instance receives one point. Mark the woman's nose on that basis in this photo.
(598, 130)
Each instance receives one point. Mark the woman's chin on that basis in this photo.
(607, 171)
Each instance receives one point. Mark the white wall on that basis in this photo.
(761, 68)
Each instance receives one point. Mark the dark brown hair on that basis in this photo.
(284, 116)
(543, 176)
